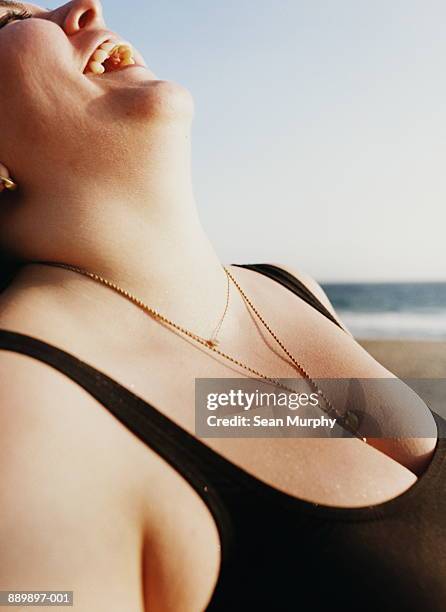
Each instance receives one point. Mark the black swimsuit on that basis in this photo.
(281, 553)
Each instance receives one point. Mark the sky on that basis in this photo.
(320, 129)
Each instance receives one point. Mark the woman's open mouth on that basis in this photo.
(109, 57)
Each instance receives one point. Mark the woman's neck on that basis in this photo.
(173, 270)
(137, 227)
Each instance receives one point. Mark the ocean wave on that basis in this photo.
(413, 325)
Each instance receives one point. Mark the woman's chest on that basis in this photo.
(175, 373)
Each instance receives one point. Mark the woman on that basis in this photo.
(106, 490)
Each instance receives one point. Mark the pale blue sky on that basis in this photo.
(320, 132)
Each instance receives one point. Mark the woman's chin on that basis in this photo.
(163, 100)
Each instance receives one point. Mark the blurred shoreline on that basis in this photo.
(386, 311)
(415, 359)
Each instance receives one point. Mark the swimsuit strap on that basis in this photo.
(293, 284)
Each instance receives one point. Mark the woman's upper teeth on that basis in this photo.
(120, 54)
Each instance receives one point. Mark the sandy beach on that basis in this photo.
(413, 361)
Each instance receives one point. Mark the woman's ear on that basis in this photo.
(5, 180)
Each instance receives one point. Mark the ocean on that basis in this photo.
(391, 310)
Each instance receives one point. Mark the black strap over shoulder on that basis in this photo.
(293, 284)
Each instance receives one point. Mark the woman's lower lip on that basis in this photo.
(112, 70)
(123, 69)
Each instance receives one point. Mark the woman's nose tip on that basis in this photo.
(82, 14)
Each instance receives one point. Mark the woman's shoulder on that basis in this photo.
(313, 286)
(329, 354)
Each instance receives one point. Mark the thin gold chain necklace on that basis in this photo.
(349, 420)
(212, 341)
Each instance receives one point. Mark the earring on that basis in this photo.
(7, 183)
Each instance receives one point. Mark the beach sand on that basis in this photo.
(412, 361)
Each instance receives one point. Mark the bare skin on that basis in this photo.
(125, 519)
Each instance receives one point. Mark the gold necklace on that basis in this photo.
(212, 341)
(349, 419)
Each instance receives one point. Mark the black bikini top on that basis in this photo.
(278, 552)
